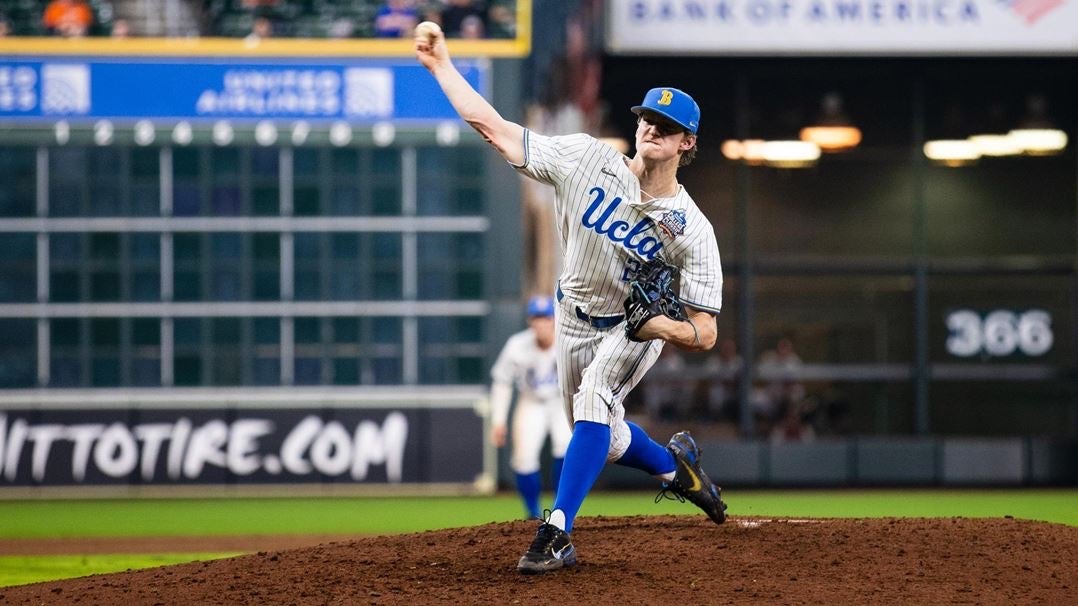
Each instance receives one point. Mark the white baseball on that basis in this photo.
(428, 30)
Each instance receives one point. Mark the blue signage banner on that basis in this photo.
(363, 91)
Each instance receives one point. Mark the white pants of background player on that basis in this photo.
(597, 369)
(532, 421)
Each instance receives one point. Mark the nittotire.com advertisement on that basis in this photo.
(239, 446)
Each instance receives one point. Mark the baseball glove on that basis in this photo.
(651, 293)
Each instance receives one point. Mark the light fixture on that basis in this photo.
(103, 132)
(447, 133)
(223, 133)
(952, 152)
(300, 131)
(383, 133)
(340, 134)
(749, 151)
(63, 132)
(833, 130)
(1039, 141)
(144, 132)
(790, 154)
(1036, 134)
(752, 151)
(779, 154)
(996, 145)
(182, 133)
(266, 133)
(732, 149)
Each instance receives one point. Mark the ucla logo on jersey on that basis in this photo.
(537, 380)
(666, 98)
(598, 218)
(673, 223)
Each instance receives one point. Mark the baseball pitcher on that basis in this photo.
(641, 269)
(527, 363)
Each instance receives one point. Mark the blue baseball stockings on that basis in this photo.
(529, 486)
(646, 454)
(555, 474)
(584, 460)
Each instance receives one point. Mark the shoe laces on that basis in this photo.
(544, 538)
(669, 492)
(546, 534)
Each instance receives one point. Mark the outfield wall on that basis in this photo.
(881, 461)
(258, 441)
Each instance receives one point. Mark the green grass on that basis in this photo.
(386, 515)
(390, 515)
(1059, 506)
(19, 570)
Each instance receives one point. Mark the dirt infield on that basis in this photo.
(629, 560)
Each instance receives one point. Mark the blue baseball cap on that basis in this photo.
(542, 307)
(674, 104)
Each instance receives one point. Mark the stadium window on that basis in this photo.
(65, 347)
(266, 364)
(67, 181)
(18, 197)
(226, 356)
(266, 249)
(105, 352)
(17, 368)
(18, 272)
(145, 352)
(65, 267)
(144, 263)
(308, 351)
(145, 184)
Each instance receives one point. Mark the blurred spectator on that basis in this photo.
(472, 28)
(431, 11)
(502, 21)
(780, 369)
(121, 28)
(723, 371)
(261, 28)
(5, 27)
(454, 14)
(668, 395)
(342, 27)
(68, 18)
(794, 426)
(396, 19)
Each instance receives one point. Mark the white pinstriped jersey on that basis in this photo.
(607, 228)
(530, 369)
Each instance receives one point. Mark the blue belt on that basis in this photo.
(602, 323)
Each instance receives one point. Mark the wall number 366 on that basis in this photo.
(999, 333)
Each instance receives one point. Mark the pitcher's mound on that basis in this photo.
(631, 560)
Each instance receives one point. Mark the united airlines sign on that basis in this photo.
(844, 26)
(360, 91)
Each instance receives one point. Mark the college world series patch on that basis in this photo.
(673, 223)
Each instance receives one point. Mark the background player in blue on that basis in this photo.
(613, 214)
(527, 362)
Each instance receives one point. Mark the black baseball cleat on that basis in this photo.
(690, 482)
(552, 549)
